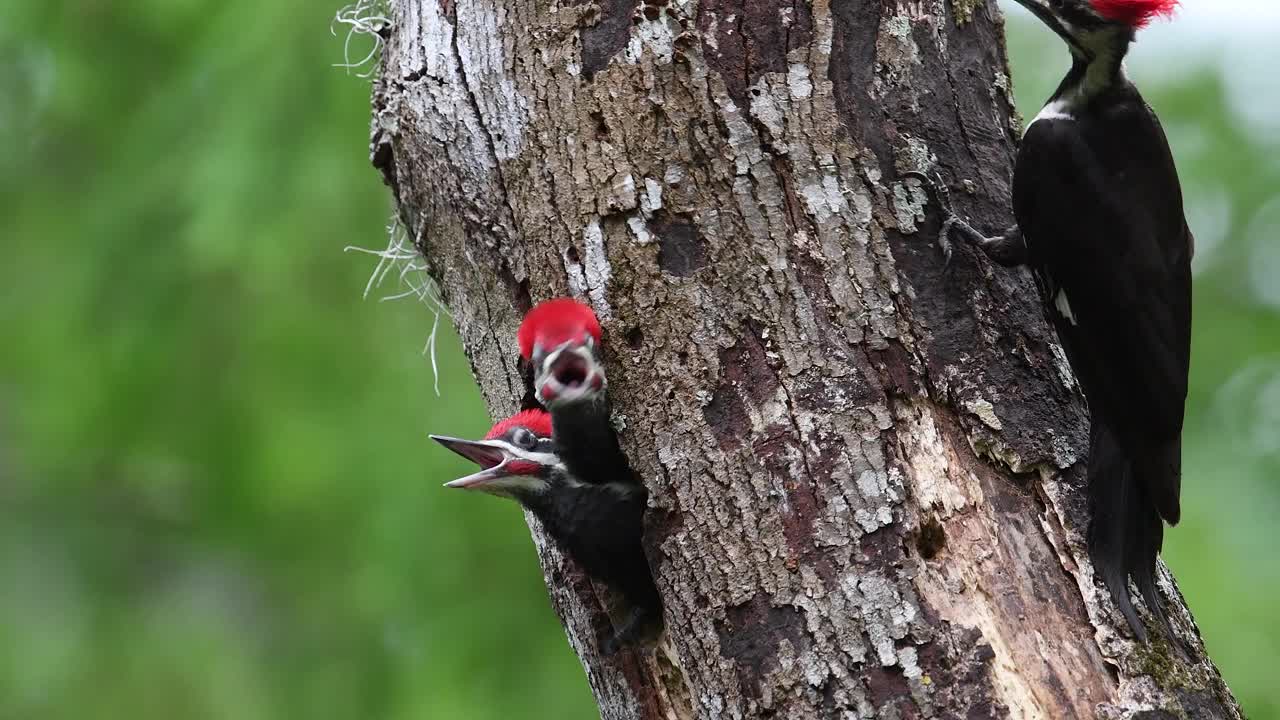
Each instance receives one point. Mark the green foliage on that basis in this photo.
(216, 495)
(217, 498)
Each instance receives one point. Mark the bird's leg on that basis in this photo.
(1007, 249)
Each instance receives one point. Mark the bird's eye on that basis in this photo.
(525, 439)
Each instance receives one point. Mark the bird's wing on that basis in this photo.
(1106, 236)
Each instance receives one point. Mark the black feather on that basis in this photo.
(600, 525)
(1126, 532)
(594, 510)
(587, 445)
(1099, 204)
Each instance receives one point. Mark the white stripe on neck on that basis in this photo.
(1056, 110)
(1096, 78)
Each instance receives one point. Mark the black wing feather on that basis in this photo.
(1104, 228)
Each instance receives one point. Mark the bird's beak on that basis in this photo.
(569, 374)
(490, 455)
(1041, 9)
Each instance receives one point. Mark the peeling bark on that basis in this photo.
(865, 472)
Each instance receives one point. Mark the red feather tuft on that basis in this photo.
(1134, 13)
(535, 421)
(554, 322)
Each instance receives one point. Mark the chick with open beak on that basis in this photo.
(599, 525)
(517, 458)
(569, 374)
(561, 340)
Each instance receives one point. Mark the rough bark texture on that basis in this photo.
(865, 472)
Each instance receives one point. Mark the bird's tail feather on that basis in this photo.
(1127, 531)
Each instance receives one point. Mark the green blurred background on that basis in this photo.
(216, 495)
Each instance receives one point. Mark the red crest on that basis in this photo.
(535, 421)
(554, 322)
(1134, 13)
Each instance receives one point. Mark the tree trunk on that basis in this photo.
(865, 469)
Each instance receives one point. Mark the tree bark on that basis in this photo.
(865, 470)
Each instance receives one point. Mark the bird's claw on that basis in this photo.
(944, 240)
(938, 188)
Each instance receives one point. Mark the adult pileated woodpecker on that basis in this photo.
(1100, 222)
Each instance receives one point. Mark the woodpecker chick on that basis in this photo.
(561, 339)
(598, 525)
(1100, 222)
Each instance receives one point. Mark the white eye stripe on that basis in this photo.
(525, 483)
(541, 458)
